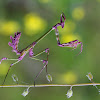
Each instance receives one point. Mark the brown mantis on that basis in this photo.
(29, 48)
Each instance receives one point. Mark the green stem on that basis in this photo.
(53, 85)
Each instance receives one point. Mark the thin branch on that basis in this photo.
(52, 85)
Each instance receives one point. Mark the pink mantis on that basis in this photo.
(29, 48)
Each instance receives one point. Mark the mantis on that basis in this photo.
(29, 48)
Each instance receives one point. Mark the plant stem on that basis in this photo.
(53, 85)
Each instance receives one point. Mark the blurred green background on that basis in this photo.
(35, 17)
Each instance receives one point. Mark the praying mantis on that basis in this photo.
(29, 48)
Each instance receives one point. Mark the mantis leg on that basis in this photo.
(10, 68)
(72, 44)
(44, 62)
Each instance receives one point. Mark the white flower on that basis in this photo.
(49, 77)
(26, 91)
(90, 76)
(15, 78)
(69, 93)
